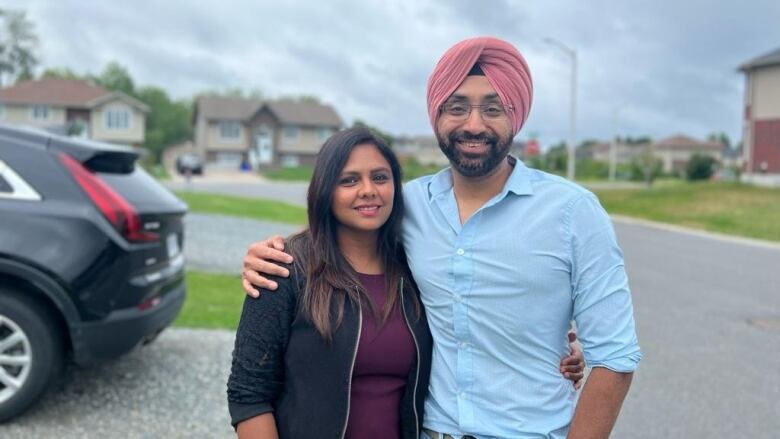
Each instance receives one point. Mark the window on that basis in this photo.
(5, 186)
(325, 133)
(117, 118)
(291, 134)
(229, 130)
(39, 112)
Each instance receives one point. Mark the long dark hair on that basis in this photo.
(316, 251)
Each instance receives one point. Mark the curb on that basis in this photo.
(696, 232)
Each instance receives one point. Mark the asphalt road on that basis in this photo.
(707, 372)
(290, 192)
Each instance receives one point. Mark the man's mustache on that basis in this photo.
(465, 137)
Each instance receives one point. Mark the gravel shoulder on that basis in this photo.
(173, 388)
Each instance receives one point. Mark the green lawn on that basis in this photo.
(730, 208)
(411, 170)
(300, 173)
(255, 208)
(213, 301)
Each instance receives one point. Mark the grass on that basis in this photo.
(411, 170)
(255, 208)
(213, 301)
(300, 173)
(729, 208)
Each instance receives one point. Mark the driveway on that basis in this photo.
(173, 388)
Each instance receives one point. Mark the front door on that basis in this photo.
(264, 146)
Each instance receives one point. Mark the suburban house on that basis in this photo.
(75, 107)
(230, 131)
(761, 120)
(676, 151)
(624, 152)
(425, 149)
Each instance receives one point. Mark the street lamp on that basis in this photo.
(573, 108)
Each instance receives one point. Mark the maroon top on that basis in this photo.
(384, 359)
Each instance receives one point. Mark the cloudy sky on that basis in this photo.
(645, 67)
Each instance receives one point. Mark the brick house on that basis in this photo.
(761, 119)
(75, 107)
(267, 134)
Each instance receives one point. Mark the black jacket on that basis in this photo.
(282, 364)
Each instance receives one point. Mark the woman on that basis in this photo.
(342, 348)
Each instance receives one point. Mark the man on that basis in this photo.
(505, 257)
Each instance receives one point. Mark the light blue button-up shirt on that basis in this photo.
(500, 292)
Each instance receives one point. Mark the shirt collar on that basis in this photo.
(519, 181)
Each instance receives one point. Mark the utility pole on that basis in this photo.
(613, 147)
(570, 162)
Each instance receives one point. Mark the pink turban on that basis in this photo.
(504, 67)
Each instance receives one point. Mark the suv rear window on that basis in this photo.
(5, 187)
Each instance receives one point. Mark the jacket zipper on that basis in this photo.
(417, 371)
(352, 367)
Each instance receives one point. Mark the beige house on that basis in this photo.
(761, 120)
(266, 134)
(676, 151)
(425, 149)
(624, 152)
(75, 107)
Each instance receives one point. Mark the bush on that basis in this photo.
(589, 169)
(700, 167)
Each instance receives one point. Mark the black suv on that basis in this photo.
(90, 258)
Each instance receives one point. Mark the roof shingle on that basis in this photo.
(769, 59)
(54, 91)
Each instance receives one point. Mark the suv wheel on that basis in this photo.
(31, 352)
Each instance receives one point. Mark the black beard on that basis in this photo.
(467, 166)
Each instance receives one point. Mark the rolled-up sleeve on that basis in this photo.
(602, 305)
(257, 371)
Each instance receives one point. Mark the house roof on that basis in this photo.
(769, 59)
(288, 112)
(226, 108)
(304, 113)
(63, 92)
(681, 141)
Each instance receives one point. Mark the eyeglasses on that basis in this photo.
(462, 111)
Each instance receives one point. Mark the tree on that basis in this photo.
(700, 167)
(646, 167)
(721, 138)
(60, 73)
(115, 77)
(18, 44)
(167, 123)
(387, 137)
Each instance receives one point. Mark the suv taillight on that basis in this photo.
(115, 208)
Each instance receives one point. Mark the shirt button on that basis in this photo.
(460, 252)
(462, 395)
(464, 345)
(458, 298)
